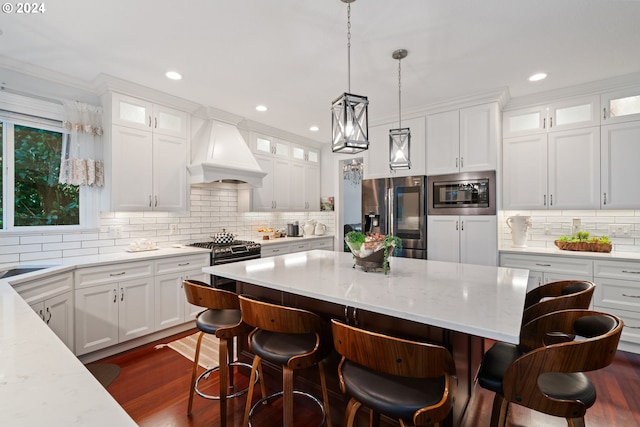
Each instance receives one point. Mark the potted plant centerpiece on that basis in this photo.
(581, 241)
(372, 251)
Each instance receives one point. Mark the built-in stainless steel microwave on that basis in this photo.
(465, 193)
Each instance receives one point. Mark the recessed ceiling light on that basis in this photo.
(173, 75)
(261, 108)
(314, 128)
(537, 77)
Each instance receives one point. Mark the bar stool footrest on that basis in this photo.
(209, 371)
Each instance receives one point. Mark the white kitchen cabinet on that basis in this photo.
(376, 158)
(559, 170)
(323, 244)
(620, 174)
(305, 187)
(621, 106)
(171, 306)
(267, 145)
(547, 269)
(557, 116)
(275, 193)
(470, 239)
(140, 114)
(463, 140)
(304, 154)
(618, 292)
(148, 147)
(51, 298)
(113, 303)
(296, 245)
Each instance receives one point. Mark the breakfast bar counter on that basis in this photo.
(455, 305)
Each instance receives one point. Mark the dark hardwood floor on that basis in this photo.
(153, 388)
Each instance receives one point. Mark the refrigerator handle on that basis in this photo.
(390, 218)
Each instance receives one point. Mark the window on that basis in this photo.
(31, 194)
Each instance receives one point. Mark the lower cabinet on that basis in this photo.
(468, 239)
(273, 249)
(112, 313)
(547, 269)
(618, 292)
(52, 299)
(171, 305)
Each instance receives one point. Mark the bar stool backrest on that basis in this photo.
(201, 294)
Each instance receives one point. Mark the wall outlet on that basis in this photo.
(547, 228)
(115, 231)
(173, 228)
(619, 230)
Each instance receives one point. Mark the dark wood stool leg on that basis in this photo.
(194, 373)
(499, 411)
(223, 369)
(287, 403)
(325, 394)
(254, 368)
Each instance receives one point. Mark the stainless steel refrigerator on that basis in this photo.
(397, 206)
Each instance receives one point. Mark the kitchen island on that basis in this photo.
(456, 305)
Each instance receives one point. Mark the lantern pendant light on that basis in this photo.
(400, 138)
(349, 113)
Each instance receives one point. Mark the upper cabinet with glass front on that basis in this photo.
(140, 114)
(268, 145)
(561, 115)
(620, 106)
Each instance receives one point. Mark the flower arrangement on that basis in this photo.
(366, 248)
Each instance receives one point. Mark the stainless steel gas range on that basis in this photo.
(238, 250)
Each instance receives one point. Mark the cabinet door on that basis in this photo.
(574, 113)
(443, 142)
(524, 167)
(262, 198)
(96, 318)
(312, 188)
(536, 278)
(169, 300)
(376, 158)
(478, 138)
(190, 310)
(169, 173)
(621, 106)
(526, 121)
(443, 238)
(136, 308)
(169, 121)
(479, 240)
(131, 112)
(620, 151)
(297, 186)
(58, 314)
(132, 170)
(282, 184)
(574, 169)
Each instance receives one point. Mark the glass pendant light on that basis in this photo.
(400, 138)
(349, 113)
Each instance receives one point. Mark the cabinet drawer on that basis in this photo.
(299, 247)
(267, 251)
(99, 275)
(40, 289)
(181, 263)
(631, 330)
(618, 294)
(326, 244)
(628, 270)
(565, 265)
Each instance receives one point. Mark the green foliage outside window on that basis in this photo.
(39, 199)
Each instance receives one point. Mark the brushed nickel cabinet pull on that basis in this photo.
(605, 198)
(631, 272)
(543, 265)
(544, 200)
(121, 294)
(604, 113)
(117, 274)
(48, 318)
(544, 123)
(115, 295)
(156, 205)
(149, 200)
(631, 296)
(550, 122)
(183, 264)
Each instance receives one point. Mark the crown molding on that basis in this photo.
(590, 88)
(106, 83)
(217, 114)
(499, 95)
(44, 73)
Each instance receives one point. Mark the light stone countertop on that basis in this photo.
(477, 300)
(41, 381)
(613, 255)
(283, 240)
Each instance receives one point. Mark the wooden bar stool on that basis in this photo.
(409, 381)
(289, 337)
(223, 319)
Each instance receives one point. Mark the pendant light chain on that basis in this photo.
(349, 47)
(399, 94)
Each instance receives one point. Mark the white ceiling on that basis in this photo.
(291, 55)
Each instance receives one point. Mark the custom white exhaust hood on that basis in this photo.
(220, 154)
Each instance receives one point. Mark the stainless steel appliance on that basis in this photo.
(223, 253)
(397, 206)
(466, 193)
